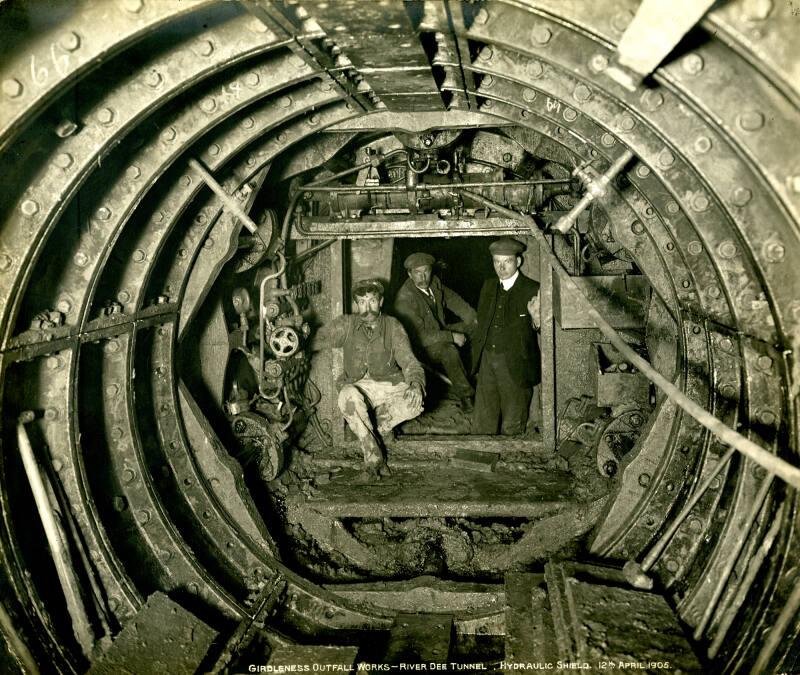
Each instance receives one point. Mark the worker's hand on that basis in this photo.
(533, 310)
(414, 395)
(460, 339)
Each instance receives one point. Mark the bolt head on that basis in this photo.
(105, 115)
(775, 251)
(63, 160)
(5, 262)
(764, 362)
(29, 207)
(70, 41)
(541, 35)
(692, 64)
(12, 88)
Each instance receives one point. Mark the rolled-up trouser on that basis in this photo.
(390, 406)
(448, 356)
(499, 397)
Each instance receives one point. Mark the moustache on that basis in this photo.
(369, 314)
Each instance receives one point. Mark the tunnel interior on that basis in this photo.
(193, 192)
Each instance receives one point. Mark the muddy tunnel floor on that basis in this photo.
(470, 507)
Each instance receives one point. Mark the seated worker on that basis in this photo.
(380, 373)
(420, 305)
(505, 349)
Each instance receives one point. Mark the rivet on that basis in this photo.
(51, 414)
(112, 346)
(684, 449)
(714, 292)
(626, 123)
(598, 63)
(694, 247)
(642, 171)
(726, 344)
(482, 16)
(80, 259)
(570, 114)
(128, 475)
(5, 262)
(764, 362)
(741, 196)
(669, 246)
(313, 120)
(103, 213)
(133, 172)
(702, 145)
(281, 137)
(752, 120)
(582, 93)
(70, 41)
(670, 486)
(666, 158)
(123, 296)
(541, 35)
(143, 517)
(487, 81)
(534, 69)
(607, 140)
(208, 243)
(728, 391)
(206, 514)
(774, 251)
(528, 95)
(169, 134)
(66, 128)
(650, 212)
(138, 255)
(767, 417)
(692, 63)
(105, 115)
(204, 48)
(248, 123)
(182, 253)
(700, 202)
(153, 78)
(696, 330)
(64, 305)
(621, 20)
(208, 104)
(727, 249)
(57, 464)
(213, 150)
(63, 160)
(251, 161)
(637, 227)
(29, 207)
(133, 6)
(12, 88)
(652, 100)
(53, 362)
(644, 479)
(673, 207)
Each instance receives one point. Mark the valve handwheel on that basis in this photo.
(284, 341)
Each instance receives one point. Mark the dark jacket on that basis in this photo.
(524, 350)
(425, 326)
(386, 353)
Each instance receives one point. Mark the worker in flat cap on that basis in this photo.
(505, 348)
(421, 304)
(381, 374)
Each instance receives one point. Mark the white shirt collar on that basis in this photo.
(508, 283)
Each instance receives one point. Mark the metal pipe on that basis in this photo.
(261, 317)
(18, 646)
(772, 463)
(227, 199)
(595, 189)
(422, 186)
(779, 628)
(56, 542)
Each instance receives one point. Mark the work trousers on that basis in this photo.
(448, 356)
(499, 400)
(390, 407)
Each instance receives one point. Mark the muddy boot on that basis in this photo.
(384, 471)
(368, 475)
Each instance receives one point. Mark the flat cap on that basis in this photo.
(418, 260)
(506, 246)
(364, 286)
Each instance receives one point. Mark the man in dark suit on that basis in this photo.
(420, 304)
(505, 349)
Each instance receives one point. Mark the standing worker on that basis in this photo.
(420, 304)
(505, 349)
